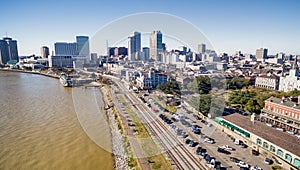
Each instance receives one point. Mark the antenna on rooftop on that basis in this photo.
(6, 34)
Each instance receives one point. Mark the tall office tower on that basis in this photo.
(8, 50)
(45, 52)
(201, 48)
(146, 53)
(63, 48)
(83, 46)
(261, 53)
(156, 45)
(134, 45)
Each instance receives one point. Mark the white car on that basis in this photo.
(255, 168)
(242, 164)
(208, 140)
(227, 147)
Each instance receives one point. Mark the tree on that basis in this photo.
(253, 106)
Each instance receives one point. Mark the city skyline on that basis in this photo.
(229, 26)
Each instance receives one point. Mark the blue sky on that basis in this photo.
(230, 25)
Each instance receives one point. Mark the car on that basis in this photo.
(221, 150)
(244, 168)
(174, 119)
(268, 161)
(255, 152)
(184, 134)
(207, 158)
(173, 126)
(187, 141)
(193, 143)
(208, 140)
(255, 168)
(242, 164)
(212, 163)
(200, 150)
(243, 145)
(235, 160)
(197, 131)
(227, 147)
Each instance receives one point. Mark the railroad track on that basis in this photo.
(157, 128)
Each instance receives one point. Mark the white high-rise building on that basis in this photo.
(156, 46)
(134, 46)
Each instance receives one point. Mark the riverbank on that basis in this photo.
(30, 72)
(119, 154)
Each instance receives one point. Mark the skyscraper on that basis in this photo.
(155, 45)
(146, 53)
(45, 52)
(8, 50)
(201, 48)
(261, 53)
(83, 45)
(63, 48)
(134, 45)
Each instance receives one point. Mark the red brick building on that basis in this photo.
(283, 113)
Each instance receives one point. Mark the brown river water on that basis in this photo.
(42, 128)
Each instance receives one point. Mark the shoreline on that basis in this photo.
(118, 150)
(30, 72)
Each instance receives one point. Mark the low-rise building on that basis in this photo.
(268, 141)
(61, 61)
(268, 82)
(290, 82)
(283, 113)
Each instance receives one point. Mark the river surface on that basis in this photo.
(42, 128)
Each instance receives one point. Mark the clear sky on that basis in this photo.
(230, 25)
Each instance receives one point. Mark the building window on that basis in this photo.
(258, 141)
(265, 145)
(272, 148)
(288, 158)
(297, 162)
(279, 153)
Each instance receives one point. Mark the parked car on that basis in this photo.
(255, 168)
(193, 143)
(235, 160)
(187, 141)
(221, 150)
(209, 140)
(268, 161)
(227, 147)
(242, 164)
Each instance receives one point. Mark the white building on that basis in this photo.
(268, 82)
(291, 81)
(151, 80)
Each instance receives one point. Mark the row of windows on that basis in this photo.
(279, 152)
(284, 112)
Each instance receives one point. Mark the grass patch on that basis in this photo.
(156, 159)
(163, 104)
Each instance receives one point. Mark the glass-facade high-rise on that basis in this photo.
(83, 45)
(63, 48)
(156, 45)
(134, 45)
(8, 50)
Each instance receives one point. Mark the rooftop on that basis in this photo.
(281, 139)
(288, 102)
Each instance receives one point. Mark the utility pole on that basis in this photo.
(107, 53)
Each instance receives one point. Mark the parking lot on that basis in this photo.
(184, 124)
